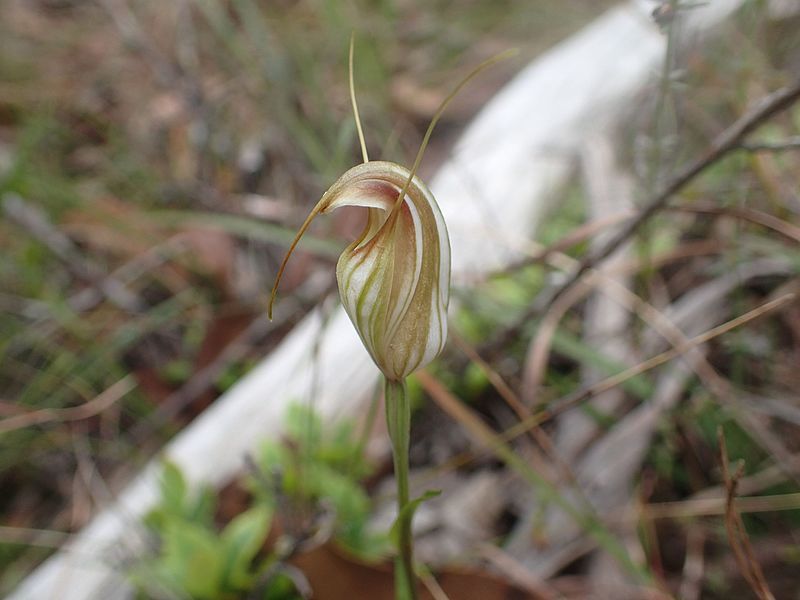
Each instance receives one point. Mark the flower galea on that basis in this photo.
(394, 279)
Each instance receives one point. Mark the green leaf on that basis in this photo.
(202, 506)
(281, 587)
(241, 540)
(192, 559)
(176, 372)
(407, 512)
(173, 488)
(303, 424)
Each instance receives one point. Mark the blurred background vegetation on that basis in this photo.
(156, 157)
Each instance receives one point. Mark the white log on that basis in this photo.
(493, 191)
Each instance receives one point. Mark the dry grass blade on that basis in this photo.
(75, 413)
(536, 361)
(676, 351)
(583, 515)
(497, 381)
(784, 228)
(694, 564)
(792, 143)
(461, 413)
(538, 435)
(539, 353)
(737, 534)
(430, 583)
(704, 507)
(518, 573)
(570, 401)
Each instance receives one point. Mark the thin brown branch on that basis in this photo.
(792, 143)
(579, 396)
(613, 381)
(726, 142)
(788, 230)
(537, 434)
(707, 507)
(737, 534)
(75, 413)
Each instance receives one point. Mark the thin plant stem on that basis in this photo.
(655, 168)
(398, 421)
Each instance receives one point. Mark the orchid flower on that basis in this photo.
(394, 280)
(394, 283)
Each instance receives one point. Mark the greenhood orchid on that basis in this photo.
(394, 282)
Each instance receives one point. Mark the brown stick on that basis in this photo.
(737, 534)
(74, 413)
(574, 399)
(784, 228)
(792, 143)
(726, 142)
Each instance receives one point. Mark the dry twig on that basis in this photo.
(75, 413)
(792, 143)
(576, 398)
(509, 566)
(538, 435)
(579, 396)
(788, 230)
(737, 534)
(694, 563)
(726, 142)
(716, 505)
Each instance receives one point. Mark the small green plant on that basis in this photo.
(194, 559)
(304, 481)
(315, 471)
(394, 284)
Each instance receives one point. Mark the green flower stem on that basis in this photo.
(398, 421)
